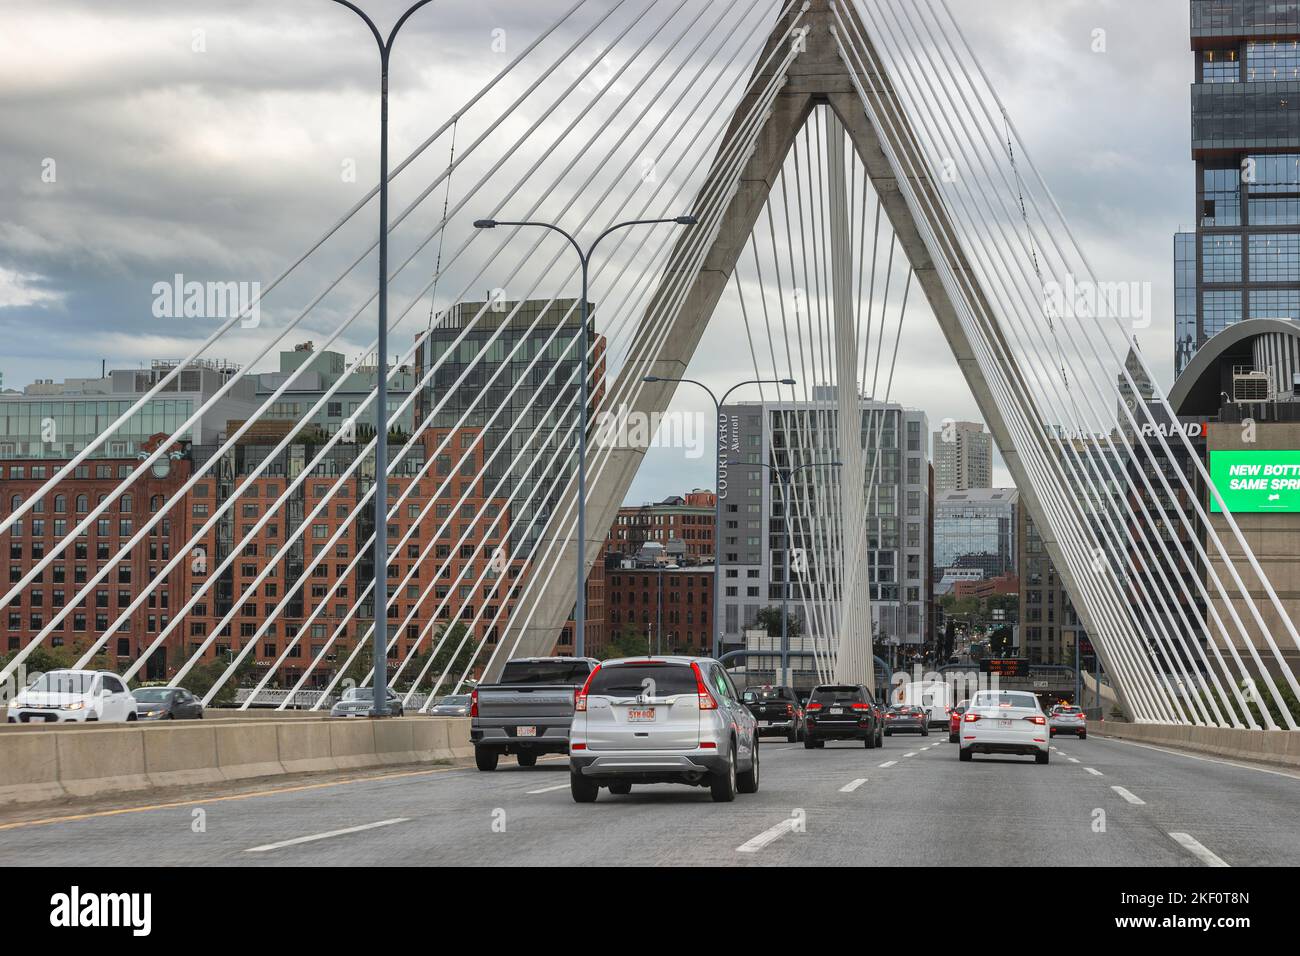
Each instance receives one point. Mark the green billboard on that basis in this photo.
(1256, 480)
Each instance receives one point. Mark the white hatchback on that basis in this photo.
(1004, 722)
(73, 696)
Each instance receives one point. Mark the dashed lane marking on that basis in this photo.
(853, 785)
(770, 835)
(324, 836)
(1129, 796)
(1197, 849)
(889, 763)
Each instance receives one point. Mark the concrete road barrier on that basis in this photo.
(1280, 747)
(44, 764)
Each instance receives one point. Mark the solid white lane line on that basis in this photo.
(1095, 773)
(1226, 763)
(561, 786)
(769, 835)
(1131, 798)
(850, 787)
(324, 836)
(889, 763)
(1197, 850)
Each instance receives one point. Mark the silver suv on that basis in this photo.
(662, 720)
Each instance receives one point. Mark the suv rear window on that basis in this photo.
(545, 672)
(838, 695)
(628, 680)
(773, 693)
(993, 698)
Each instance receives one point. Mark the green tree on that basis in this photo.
(770, 618)
(42, 659)
(1000, 641)
(200, 679)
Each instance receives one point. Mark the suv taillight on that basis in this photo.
(861, 706)
(814, 705)
(473, 703)
(580, 696)
(970, 718)
(706, 699)
(1037, 719)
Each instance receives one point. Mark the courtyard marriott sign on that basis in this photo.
(1256, 480)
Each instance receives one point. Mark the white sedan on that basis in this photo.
(1004, 722)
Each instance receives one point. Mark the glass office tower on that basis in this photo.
(1243, 261)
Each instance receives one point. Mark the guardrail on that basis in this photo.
(1280, 747)
(302, 699)
(38, 764)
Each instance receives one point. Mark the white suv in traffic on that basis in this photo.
(1003, 722)
(73, 696)
(662, 720)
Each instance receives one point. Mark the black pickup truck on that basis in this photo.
(528, 712)
(776, 708)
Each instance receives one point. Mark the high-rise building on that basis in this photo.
(963, 457)
(1243, 260)
(752, 540)
(976, 529)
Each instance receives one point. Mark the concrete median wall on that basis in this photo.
(1279, 747)
(40, 764)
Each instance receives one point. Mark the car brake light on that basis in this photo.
(814, 705)
(789, 710)
(970, 718)
(473, 703)
(706, 699)
(580, 697)
(861, 706)
(1036, 719)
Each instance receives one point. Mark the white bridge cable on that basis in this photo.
(993, 372)
(1091, 463)
(227, 505)
(998, 386)
(264, 290)
(180, 494)
(1177, 658)
(1191, 453)
(482, 352)
(1069, 446)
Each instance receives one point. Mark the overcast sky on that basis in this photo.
(143, 138)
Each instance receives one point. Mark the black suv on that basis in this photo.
(842, 712)
(776, 708)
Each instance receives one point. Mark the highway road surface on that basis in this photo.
(1098, 803)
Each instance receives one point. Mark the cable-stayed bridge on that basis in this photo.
(842, 161)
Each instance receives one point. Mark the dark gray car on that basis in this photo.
(166, 703)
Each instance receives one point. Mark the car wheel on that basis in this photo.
(880, 738)
(485, 759)
(747, 782)
(1042, 757)
(821, 745)
(724, 783)
(808, 743)
(527, 760)
(869, 741)
(952, 738)
(965, 754)
(925, 732)
(620, 789)
(583, 790)
(1083, 736)
(888, 734)
(131, 717)
(793, 736)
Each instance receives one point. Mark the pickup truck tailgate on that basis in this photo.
(503, 702)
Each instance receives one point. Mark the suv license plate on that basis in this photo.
(1004, 724)
(526, 731)
(837, 710)
(641, 714)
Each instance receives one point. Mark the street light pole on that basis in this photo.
(379, 705)
(717, 486)
(580, 600)
(787, 484)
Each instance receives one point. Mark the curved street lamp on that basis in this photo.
(379, 708)
(717, 487)
(580, 601)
